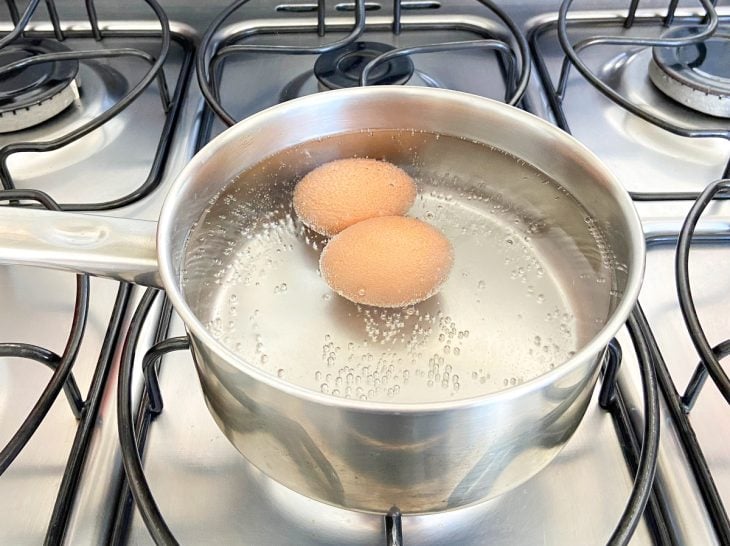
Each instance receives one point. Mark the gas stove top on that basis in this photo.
(113, 146)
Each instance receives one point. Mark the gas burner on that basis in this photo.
(31, 95)
(696, 75)
(342, 67)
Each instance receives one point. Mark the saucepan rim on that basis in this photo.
(590, 350)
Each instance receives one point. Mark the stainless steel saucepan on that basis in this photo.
(509, 172)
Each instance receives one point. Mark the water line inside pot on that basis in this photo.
(533, 278)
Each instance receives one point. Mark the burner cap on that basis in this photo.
(32, 95)
(697, 75)
(342, 67)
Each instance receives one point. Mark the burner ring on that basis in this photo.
(36, 93)
(696, 75)
(342, 67)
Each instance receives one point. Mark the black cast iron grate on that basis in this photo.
(84, 409)
(513, 53)
(556, 92)
(679, 404)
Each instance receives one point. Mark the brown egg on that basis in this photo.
(341, 193)
(391, 261)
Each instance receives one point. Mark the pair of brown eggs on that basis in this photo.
(377, 256)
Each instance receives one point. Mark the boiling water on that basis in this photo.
(510, 310)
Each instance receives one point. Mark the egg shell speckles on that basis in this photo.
(344, 192)
(390, 261)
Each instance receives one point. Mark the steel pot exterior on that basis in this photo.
(420, 457)
(369, 460)
(361, 455)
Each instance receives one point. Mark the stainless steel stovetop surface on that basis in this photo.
(206, 491)
(646, 158)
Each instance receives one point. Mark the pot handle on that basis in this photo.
(104, 246)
